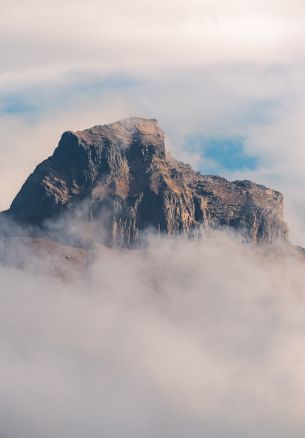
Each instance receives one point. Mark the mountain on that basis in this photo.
(121, 179)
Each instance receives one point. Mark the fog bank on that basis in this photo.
(177, 339)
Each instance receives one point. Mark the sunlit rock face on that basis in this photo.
(121, 178)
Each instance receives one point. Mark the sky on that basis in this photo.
(225, 75)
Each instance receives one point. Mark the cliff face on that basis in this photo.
(122, 177)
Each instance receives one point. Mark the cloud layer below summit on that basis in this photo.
(156, 342)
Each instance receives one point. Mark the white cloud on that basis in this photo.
(156, 342)
(42, 38)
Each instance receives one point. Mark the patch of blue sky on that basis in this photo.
(222, 154)
(35, 100)
(14, 104)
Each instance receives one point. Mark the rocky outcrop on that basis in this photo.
(121, 177)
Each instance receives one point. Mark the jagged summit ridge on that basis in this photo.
(122, 177)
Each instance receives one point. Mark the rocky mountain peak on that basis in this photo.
(124, 131)
(120, 175)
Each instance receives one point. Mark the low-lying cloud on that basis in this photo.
(180, 338)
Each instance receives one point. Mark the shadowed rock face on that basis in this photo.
(121, 176)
